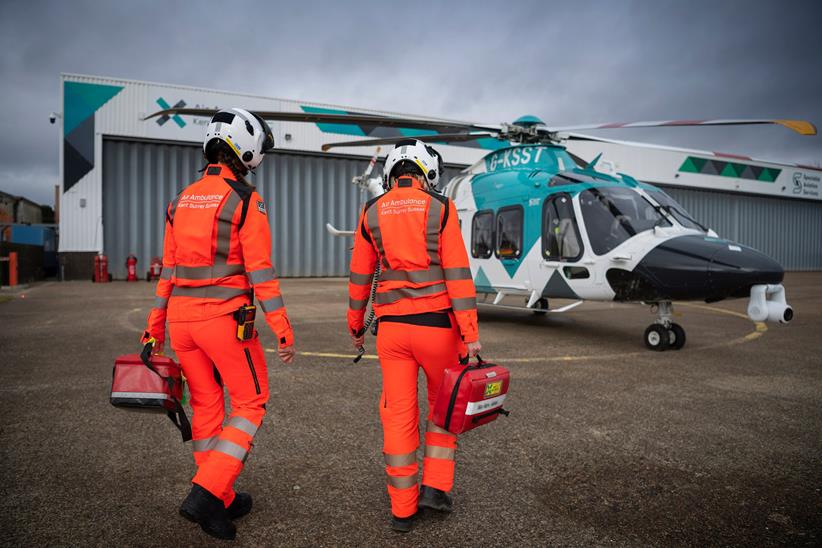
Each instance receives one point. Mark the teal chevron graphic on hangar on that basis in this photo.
(80, 102)
(364, 130)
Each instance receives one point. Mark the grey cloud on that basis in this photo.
(567, 62)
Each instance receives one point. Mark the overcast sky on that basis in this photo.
(566, 62)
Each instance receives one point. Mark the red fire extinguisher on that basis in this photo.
(131, 267)
(154, 269)
(101, 274)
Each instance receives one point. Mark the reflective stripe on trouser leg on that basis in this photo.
(401, 471)
(438, 463)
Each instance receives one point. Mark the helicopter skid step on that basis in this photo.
(526, 309)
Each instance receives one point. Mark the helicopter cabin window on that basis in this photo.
(614, 214)
(509, 232)
(482, 235)
(560, 235)
(677, 211)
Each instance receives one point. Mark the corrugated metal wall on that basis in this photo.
(788, 230)
(302, 192)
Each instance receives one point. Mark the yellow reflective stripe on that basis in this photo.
(360, 279)
(468, 303)
(453, 274)
(433, 274)
(402, 482)
(436, 452)
(357, 304)
(400, 460)
(395, 295)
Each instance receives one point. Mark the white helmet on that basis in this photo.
(425, 157)
(246, 133)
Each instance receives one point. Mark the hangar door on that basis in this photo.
(302, 191)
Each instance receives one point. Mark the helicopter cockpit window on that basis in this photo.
(677, 211)
(509, 232)
(560, 235)
(614, 214)
(482, 235)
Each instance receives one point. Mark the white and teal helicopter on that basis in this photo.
(541, 224)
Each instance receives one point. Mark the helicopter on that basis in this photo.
(541, 223)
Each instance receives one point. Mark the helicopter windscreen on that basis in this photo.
(614, 214)
(677, 211)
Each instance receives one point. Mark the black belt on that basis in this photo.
(426, 319)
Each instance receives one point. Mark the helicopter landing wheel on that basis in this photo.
(657, 337)
(676, 336)
(541, 307)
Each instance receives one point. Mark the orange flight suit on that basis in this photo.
(426, 304)
(217, 247)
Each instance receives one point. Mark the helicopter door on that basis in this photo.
(562, 249)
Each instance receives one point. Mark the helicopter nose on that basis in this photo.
(703, 268)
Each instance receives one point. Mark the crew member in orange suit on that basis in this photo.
(426, 307)
(216, 259)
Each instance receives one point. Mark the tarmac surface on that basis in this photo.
(607, 443)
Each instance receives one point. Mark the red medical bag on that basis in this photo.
(470, 396)
(142, 382)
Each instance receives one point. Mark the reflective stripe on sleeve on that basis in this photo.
(208, 272)
(357, 304)
(262, 275)
(209, 292)
(436, 452)
(160, 302)
(453, 274)
(433, 274)
(272, 304)
(166, 273)
(468, 303)
(231, 449)
(400, 460)
(205, 444)
(394, 295)
(360, 279)
(402, 482)
(242, 424)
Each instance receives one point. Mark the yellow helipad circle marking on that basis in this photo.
(759, 329)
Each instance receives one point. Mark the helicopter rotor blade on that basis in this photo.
(376, 120)
(435, 138)
(799, 126)
(371, 164)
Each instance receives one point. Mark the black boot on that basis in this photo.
(435, 499)
(240, 506)
(402, 525)
(204, 508)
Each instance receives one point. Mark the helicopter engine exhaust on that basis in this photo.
(768, 304)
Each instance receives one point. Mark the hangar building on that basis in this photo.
(118, 171)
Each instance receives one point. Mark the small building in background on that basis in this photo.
(22, 230)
